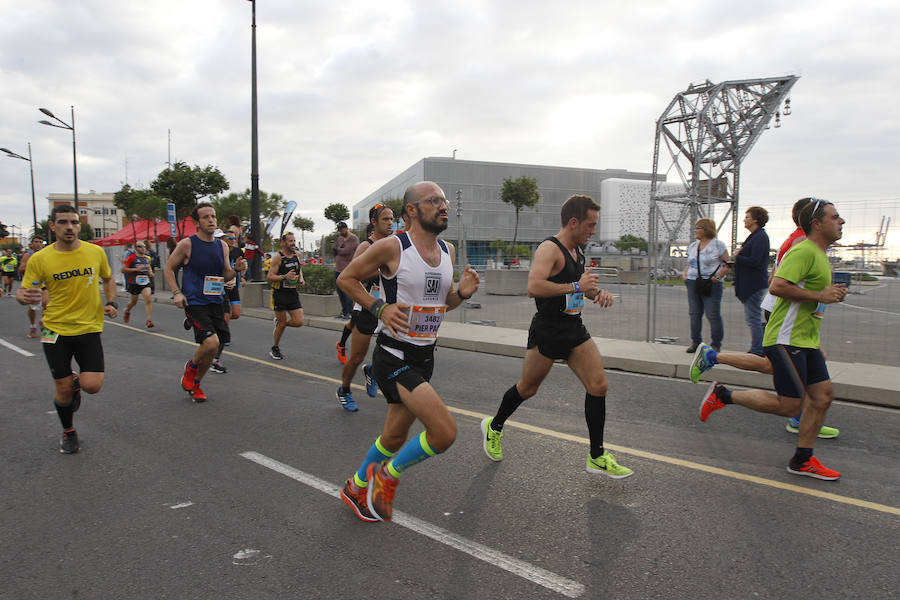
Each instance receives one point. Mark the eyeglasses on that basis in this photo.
(377, 206)
(230, 237)
(435, 201)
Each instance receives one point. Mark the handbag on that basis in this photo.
(703, 286)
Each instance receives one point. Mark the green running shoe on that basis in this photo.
(701, 363)
(606, 464)
(826, 432)
(491, 440)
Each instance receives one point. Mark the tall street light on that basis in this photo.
(256, 266)
(64, 125)
(12, 154)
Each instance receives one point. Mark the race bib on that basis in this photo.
(289, 283)
(213, 285)
(424, 321)
(48, 337)
(574, 303)
(142, 280)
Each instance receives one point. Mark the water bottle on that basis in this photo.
(820, 310)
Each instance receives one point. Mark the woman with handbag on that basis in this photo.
(703, 275)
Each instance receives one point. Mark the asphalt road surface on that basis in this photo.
(236, 498)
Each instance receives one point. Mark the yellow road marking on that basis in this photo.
(892, 510)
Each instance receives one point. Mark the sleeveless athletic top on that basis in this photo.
(373, 286)
(202, 281)
(288, 263)
(423, 287)
(568, 305)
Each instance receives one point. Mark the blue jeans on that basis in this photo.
(712, 306)
(753, 316)
(346, 302)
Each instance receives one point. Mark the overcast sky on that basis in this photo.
(352, 93)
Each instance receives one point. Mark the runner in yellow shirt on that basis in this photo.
(70, 273)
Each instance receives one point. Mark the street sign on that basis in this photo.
(170, 212)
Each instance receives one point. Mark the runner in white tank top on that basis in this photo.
(417, 288)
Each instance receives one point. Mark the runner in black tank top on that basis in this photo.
(285, 276)
(362, 323)
(559, 285)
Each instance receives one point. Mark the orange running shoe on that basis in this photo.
(341, 352)
(380, 493)
(187, 380)
(813, 468)
(127, 316)
(196, 393)
(711, 401)
(357, 501)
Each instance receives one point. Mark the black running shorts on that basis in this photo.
(793, 369)
(207, 320)
(285, 300)
(414, 369)
(364, 321)
(86, 349)
(556, 338)
(135, 289)
(233, 295)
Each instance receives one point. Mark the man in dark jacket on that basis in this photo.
(751, 263)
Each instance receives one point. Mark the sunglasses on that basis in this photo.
(435, 201)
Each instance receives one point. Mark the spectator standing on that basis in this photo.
(344, 248)
(707, 258)
(751, 264)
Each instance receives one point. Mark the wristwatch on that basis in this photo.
(113, 304)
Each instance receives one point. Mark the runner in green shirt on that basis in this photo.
(791, 342)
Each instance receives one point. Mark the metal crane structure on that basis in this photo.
(702, 137)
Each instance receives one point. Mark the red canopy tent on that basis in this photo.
(158, 232)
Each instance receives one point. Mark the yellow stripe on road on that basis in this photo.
(892, 510)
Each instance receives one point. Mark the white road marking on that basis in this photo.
(15, 348)
(181, 505)
(542, 577)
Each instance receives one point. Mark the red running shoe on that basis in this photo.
(813, 468)
(127, 316)
(357, 502)
(196, 393)
(380, 493)
(149, 323)
(341, 352)
(711, 401)
(187, 380)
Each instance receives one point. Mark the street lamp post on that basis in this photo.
(256, 265)
(64, 125)
(12, 154)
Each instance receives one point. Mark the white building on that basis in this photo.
(97, 211)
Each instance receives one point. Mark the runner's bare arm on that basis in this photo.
(274, 266)
(179, 256)
(548, 261)
(109, 290)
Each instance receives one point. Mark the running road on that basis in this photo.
(236, 498)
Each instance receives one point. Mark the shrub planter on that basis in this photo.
(506, 282)
(317, 305)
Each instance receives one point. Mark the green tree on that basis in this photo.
(86, 234)
(396, 206)
(45, 231)
(235, 203)
(303, 224)
(337, 212)
(627, 241)
(185, 186)
(520, 193)
(140, 204)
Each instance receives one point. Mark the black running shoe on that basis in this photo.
(217, 367)
(186, 324)
(69, 442)
(275, 353)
